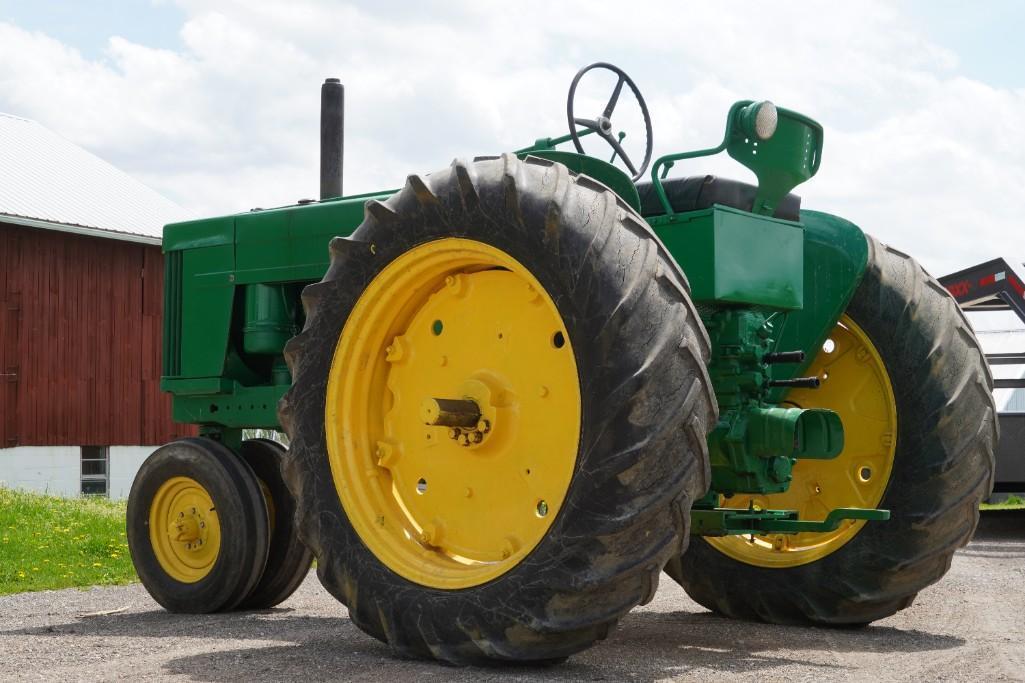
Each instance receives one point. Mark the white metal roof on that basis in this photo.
(49, 182)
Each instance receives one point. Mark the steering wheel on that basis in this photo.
(602, 125)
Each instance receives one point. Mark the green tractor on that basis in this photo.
(519, 388)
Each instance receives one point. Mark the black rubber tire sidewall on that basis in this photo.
(288, 560)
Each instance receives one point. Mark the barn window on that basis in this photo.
(95, 470)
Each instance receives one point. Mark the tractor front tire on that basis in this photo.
(547, 302)
(941, 465)
(197, 527)
(288, 560)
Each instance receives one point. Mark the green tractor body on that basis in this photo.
(764, 285)
(519, 388)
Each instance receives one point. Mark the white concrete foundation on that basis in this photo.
(125, 462)
(47, 469)
(56, 470)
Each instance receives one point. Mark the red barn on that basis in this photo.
(81, 281)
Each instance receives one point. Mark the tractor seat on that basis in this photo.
(700, 192)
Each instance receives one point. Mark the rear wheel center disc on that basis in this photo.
(856, 385)
(442, 505)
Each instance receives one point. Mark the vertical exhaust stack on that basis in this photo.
(332, 137)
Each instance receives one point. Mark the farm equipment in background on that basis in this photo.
(519, 388)
(997, 287)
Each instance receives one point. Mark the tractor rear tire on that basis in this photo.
(197, 527)
(288, 561)
(644, 410)
(942, 468)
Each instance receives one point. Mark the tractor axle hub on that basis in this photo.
(463, 417)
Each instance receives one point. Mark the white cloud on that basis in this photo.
(915, 153)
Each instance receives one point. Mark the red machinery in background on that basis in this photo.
(998, 286)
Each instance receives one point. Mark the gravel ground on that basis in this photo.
(970, 626)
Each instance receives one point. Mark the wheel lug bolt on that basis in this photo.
(476, 437)
(454, 433)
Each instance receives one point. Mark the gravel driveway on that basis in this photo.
(970, 626)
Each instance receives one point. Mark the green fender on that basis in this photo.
(602, 171)
(835, 257)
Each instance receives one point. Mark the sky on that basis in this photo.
(215, 103)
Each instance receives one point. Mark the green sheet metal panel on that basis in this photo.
(198, 234)
(734, 257)
(207, 294)
(290, 244)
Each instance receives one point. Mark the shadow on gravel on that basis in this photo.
(278, 645)
(1000, 535)
(999, 551)
(276, 624)
(1006, 525)
(647, 646)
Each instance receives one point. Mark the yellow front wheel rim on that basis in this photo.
(184, 531)
(856, 385)
(441, 506)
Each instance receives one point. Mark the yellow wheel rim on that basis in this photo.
(856, 385)
(453, 319)
(184, 531)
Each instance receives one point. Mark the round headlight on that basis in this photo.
(759, 120)
(766, 120)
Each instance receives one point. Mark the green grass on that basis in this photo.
(1011, 503)
(48, 542)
